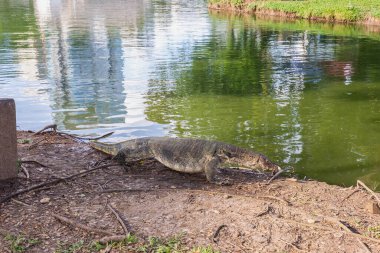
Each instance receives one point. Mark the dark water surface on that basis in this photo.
(306, 95)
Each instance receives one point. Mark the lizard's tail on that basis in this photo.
(110, 149)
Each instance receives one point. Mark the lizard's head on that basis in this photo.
(246, 159)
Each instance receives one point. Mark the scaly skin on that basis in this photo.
(188, 155)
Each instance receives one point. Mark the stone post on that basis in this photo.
(8, 140)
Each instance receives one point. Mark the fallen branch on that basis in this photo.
(360, 183)
(52, 126)
(81, 226)
(53, 182)
(121, 220)
(33, 161)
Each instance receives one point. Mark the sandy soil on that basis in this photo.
(287, 215)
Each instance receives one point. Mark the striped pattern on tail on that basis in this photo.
(110, 149)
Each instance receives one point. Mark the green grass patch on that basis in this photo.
(331, 29)
(20, 243)
(132, 244)
(343, 10)
(24, 141)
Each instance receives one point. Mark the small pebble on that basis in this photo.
(45, 200)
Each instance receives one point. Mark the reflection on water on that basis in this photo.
(307, 95)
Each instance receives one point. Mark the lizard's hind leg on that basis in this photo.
(119, 157)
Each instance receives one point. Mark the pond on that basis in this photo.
(304, 94)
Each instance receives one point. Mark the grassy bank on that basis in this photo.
(364, 11)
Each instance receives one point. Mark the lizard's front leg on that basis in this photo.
(212, 172)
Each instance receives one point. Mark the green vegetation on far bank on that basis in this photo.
(332, 10)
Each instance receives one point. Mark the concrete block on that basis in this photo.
(8, 140)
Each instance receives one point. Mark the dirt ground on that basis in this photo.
(288, 215)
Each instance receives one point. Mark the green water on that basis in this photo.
(306, 95)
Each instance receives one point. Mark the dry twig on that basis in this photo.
(22, 203)
(25, 171)
(348, 230)
(280, 171)
(216, 234)
(33, 161)
(53, 182)
(349, 195)
(360, 183)
(81, 226)
(121, 220)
